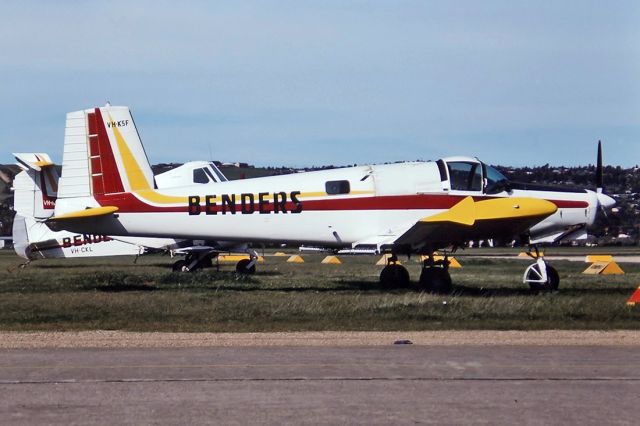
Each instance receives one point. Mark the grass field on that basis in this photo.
(114, 293)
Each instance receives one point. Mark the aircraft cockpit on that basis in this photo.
(467, 174)
(191, 173)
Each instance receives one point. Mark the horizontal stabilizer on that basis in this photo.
(87, 213)
(32, 160)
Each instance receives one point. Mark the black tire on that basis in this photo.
(207, 262)
(552, 283)
(178, 266)
(435, 280)
(241, 267)
(394, 276)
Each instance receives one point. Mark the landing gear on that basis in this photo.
(435, 276)
(394, 275)
(179, 266)
(247, 266)
(193, 261)
(541, 276)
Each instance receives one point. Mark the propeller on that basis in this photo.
(604, 201)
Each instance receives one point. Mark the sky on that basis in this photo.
(304, 83)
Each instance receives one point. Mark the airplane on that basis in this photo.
(403, 208)
(35, 194)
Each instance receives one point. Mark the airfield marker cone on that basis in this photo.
(592, 258)
(332, 260)
(295, 259)
(453, 262)
(279, 253)
(635, 298)
(603, 268)
(384, 260)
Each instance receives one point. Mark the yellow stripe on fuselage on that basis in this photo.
(156, 197)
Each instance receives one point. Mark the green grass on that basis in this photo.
(113, 293)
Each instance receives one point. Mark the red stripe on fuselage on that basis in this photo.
(566, 204)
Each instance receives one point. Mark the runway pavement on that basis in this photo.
(395, 384)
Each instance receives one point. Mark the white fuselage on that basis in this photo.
(381, 202)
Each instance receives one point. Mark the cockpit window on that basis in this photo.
(465, 176)
(200, 176)
(496, 181)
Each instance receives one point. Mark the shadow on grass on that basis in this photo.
(462, 290)
(342, 286)
(122, 288)
(73, 266)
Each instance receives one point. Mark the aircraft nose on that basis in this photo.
(605, 201)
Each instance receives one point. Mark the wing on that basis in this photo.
(471, 219)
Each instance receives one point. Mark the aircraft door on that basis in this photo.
(465, 176)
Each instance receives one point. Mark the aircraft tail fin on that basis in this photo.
(28, 234)
(36, 186)
(103, 154)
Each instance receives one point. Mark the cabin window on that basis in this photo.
(200, 176)
(465, 176)
(335, 187)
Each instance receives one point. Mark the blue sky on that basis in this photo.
(331, 82)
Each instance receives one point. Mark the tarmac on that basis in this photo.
(383, 384)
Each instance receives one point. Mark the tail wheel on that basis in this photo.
(534, 277)
(242, 267)
(394, 276)
(435, 280)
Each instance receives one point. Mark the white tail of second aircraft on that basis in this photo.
(36, 187)
(35, 195)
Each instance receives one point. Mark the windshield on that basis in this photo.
(496, 181)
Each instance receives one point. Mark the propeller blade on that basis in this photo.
(599, 173)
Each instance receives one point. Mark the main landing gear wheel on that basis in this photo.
(179, 266)
(541, 276)
(246, 267)
(435, 279)
(394, 276)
